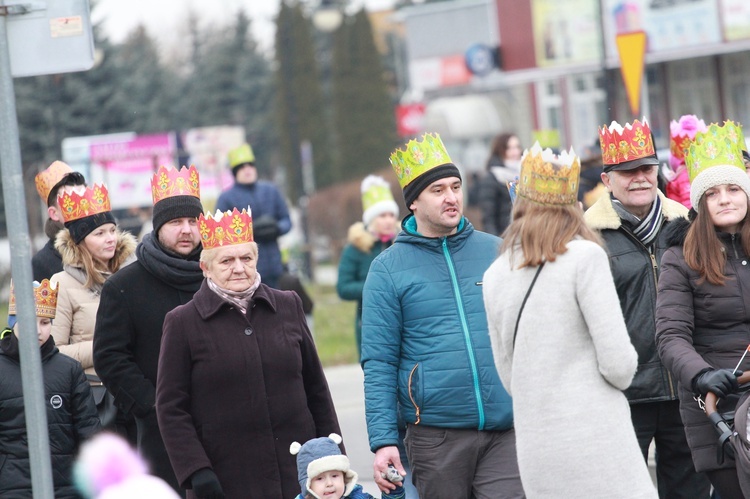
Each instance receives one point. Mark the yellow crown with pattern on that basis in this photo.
(45, 299)
(47, 179)
(547, 178)
(168, 182)
(74, 206)
(720, 145)
(418, 157)
(225, 228)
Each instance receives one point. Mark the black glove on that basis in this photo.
(206, 485)
(265, 229)
(722, 382)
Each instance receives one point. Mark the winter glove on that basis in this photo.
(722, 382)
(206, 484)
(265, 229)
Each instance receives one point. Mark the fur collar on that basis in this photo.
(602, 215)
(71, 252)
(360, 238)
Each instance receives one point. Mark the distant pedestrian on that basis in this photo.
(502, 167)
(681, 133)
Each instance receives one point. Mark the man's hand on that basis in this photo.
(383, 457)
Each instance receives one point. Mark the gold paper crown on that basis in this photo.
(620, 144)
(419, 157)
(549, 179)
(45, 299)
(168, 182)
(719, 145)
(225, 228)
(47, 179)
(94, 200)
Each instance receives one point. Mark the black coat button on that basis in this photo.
(248, 331)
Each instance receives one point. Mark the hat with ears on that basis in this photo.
(376, 199)
(319, 455)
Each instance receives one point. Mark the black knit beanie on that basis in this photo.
(175, 207)
(416, 186)
(82, 227)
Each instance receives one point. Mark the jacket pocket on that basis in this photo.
(414, 387)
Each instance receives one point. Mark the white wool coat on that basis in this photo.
(571, 361)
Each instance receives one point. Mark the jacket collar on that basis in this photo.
(602, 215)
(208, 303)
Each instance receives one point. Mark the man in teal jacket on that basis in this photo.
(425, 347)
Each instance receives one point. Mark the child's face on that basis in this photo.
(329, 484)
(43, 329)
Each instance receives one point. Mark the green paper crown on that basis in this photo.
(419, 157)
(378, 190)
(241, 155)
(719, 145)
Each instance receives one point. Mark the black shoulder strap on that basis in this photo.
(523, 303)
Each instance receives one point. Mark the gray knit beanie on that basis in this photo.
(717, 175)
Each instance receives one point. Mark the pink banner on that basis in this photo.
(143, 146)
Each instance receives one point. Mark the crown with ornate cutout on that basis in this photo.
(225, 228)
(74, 206)
(547, 178)
(620, 144)
(45, 298)
(682, 133)
(168, 182)
(720, 145)
(418, 157)
(47, 179)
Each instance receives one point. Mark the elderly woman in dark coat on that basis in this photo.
(703, 302)
(239, 378)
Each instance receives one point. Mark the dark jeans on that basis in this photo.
(675, 473)
(463, 464)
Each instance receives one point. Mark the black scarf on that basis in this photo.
(181, 273)
(645, 229)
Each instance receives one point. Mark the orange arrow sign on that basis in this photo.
(632, 49)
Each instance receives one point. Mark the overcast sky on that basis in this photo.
(165, 19)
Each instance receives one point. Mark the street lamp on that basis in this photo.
(327, 17)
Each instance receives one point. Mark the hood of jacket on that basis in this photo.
(602, 214)
(72, 253)
(360, 238)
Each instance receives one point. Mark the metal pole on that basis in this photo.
(20, 263)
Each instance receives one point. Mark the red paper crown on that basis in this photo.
(678, 146)
(47, 179)
(93, 200)
(225, 229)
(620, 144)
(45, 299)
(168, 182)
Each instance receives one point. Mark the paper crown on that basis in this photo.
(74, 206)
(720, 145)
(241, 155)
(47, 179)
(620, 144)
(225, 228)
(418, 157)
(681, 133)
(547, 178)
(45, 299)
(168, 182)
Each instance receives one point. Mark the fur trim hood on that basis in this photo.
(602, 215)
(71, 252)
(360, 238)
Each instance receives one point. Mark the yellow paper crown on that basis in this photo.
(241, 155)
(225, 228)
(547, 178)
(94, 200)
(45, 299)
(168, 182)
(47, 179)
(418, 157)
(720, 145)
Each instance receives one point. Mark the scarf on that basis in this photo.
(647, 229)
(184, 274)
(240, 299)
(79, 274)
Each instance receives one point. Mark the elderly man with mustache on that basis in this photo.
(632, 220)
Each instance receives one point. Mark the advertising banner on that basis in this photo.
(566, 32)
(736, 17)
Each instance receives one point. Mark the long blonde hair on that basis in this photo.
(542, 232)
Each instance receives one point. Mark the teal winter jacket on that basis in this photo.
(425, 346)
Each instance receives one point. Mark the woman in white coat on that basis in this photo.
(570, 358)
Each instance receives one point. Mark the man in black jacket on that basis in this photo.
(58, 175)
(134, 301)
(631, 220)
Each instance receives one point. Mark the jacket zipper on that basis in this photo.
(465, 327)
(411, 397)
(734, 248)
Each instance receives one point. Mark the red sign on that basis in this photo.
(410, 119)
